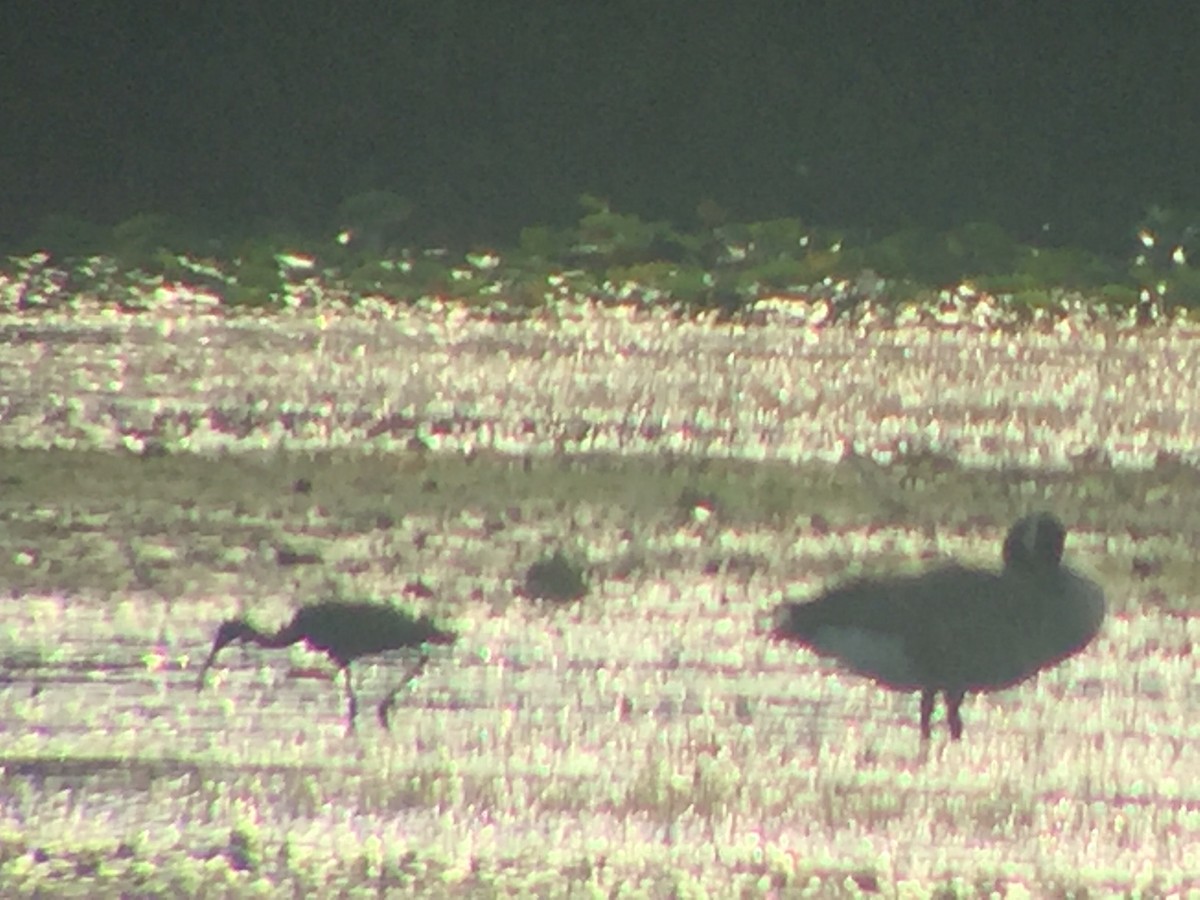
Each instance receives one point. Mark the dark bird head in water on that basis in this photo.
(229, 631)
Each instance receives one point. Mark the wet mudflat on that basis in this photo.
(647, 740)
(649, 734)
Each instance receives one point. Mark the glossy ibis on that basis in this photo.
(344, 631)
(955, 629)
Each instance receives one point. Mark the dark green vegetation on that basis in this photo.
(615, 256)
(956, 629)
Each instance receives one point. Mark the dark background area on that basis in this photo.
(490, 116)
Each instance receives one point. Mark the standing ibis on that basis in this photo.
(344, 631)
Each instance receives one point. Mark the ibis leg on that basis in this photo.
(385, 705)
(204, 671)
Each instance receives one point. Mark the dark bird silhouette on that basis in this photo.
(344, 631)
(955, 629)
(555, 578)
